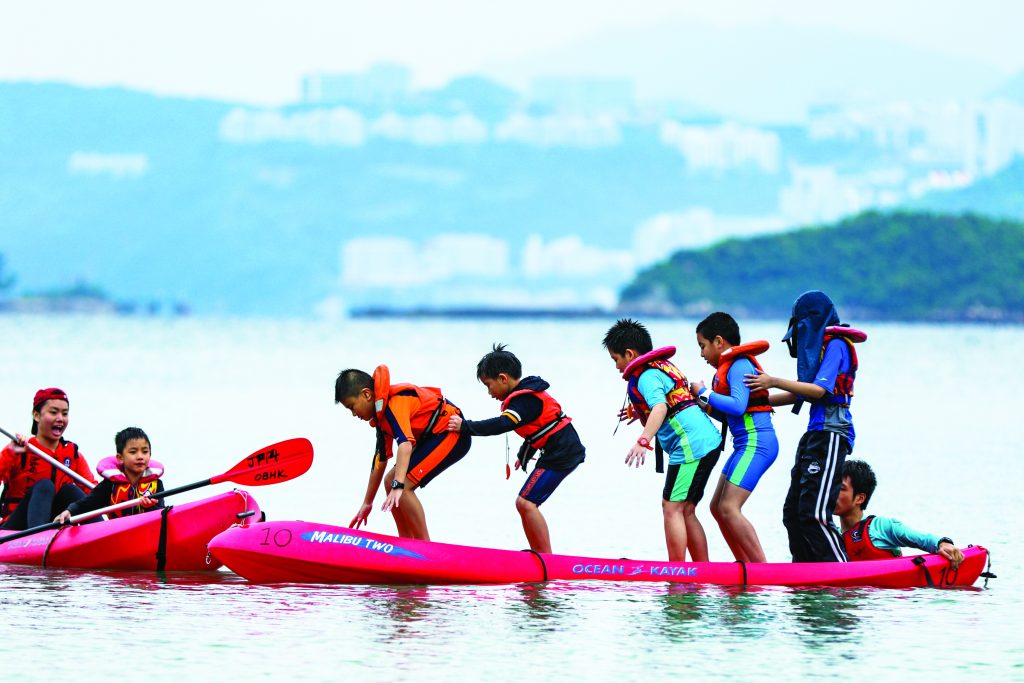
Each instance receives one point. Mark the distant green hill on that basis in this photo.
(901, 266)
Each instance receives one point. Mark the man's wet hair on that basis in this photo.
(628, 334)
(122, 438)
(720, 324)
(498, 361)
(350, 382)
(862, 479)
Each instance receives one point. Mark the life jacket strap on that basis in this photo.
(432, 422)
(161, 550)
(545, 430)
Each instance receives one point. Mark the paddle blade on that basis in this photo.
(273, 464)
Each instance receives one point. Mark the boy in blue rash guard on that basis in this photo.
(527, 409)
(660, 398)
(826, 367)
(877, 538)
(749, 417)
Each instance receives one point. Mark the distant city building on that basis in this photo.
(723, 147)
(381, 84)
(583, 94)
(977, 139)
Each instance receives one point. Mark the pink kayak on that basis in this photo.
(171, 541)
(304, 552)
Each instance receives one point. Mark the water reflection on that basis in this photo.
(827, 616)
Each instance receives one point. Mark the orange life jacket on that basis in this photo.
(428, 410)
(678, 398)
(859, 546)
(552, 420)
(758, 402)
(20, 471)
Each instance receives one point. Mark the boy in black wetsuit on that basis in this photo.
(527, 409)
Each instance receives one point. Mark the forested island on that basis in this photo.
(899, 265)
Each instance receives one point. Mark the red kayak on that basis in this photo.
(172, 539)
(303, 552)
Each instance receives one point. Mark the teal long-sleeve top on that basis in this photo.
(891, 534)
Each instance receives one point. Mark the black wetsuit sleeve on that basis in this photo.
(159, 489)
(520, 410)
(98, 498)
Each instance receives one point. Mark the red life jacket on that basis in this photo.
(551, 421)
(678, 398)
(844, 381)
(25, 469)
(758, 402)
(859, 546)
(123, 489)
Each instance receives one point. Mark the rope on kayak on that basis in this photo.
(919, 561)
(46, 553)
(743, 566)
(161, 550)
(543, 567)
(987, 574)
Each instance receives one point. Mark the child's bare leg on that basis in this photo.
(410, 518)
(534, 524)
(727, 533)
(675, 530)
(413, 516)
(740, 528)
(697, 542)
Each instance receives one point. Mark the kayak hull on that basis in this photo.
(133, 542)
(304, 552)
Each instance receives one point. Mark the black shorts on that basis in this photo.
(686, 482)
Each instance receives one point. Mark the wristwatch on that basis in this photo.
(645, 442)
(395, 484)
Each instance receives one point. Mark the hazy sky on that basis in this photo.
(257, 50)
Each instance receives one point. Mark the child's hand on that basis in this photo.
(636, 455)
(392, 500)
(360, 518)
(951, 553)
(759, 381)
(454, 423)
(62, 518)
(146, 501)
(627, 414)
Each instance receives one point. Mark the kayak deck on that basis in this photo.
(303, 552)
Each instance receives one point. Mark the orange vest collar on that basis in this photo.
(381, 389)
(754, 348)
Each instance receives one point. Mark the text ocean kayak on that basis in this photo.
(304, 552)
(174, 540)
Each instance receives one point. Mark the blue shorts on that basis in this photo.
(751, 460)
(542, 483)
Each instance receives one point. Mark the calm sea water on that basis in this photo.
(930, 415)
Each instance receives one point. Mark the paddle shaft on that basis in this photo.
(102, 511)
(56, 463)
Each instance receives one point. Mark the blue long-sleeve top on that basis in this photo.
(734, 405)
